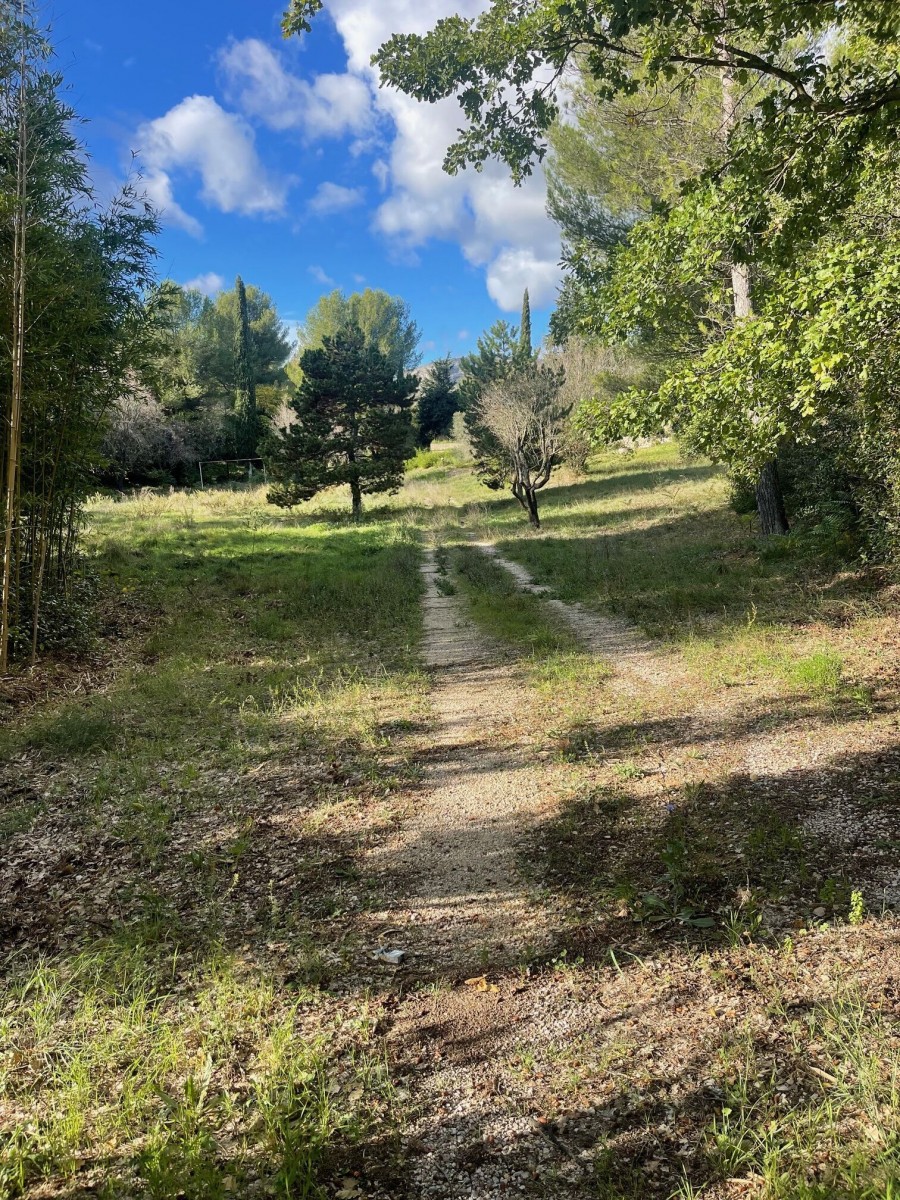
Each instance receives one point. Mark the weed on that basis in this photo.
(820, 673)
(743, 924)
(850, 1131)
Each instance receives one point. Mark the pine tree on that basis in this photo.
(525, 347)
(437, 403)
(247, 417)
(352, 424)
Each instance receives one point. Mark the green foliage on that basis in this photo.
(215, 382)
(352, 424)
(436, 460)
(782, 189)
(497, 355)
(82, 271)
(246, 414)
(614, 161)
(386, 323)
(809, 377)
(436, 403)
(497, 64)
(525, 346)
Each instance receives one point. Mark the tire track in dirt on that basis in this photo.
(614, 640)
(722, 725)
(461, 902)
(460, 907)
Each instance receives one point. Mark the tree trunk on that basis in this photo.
(769, 496)
(770, 502)
(356, 497)
(532, 505)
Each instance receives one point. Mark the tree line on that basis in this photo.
(75, 280)
(724, 173)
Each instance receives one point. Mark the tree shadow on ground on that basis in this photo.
(751, 855)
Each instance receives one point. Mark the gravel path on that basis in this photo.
(614, 640)
(461, 905)
(477, 1128)
(462, 912)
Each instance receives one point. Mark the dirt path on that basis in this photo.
(462, 906)
(462, 911)
(484, 1121)
(616, 641)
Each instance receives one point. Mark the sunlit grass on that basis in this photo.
(187, 1043)
(162, 1059)
(174, 1077)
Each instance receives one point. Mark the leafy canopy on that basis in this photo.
(386, 323)
(504, 66)
(437, 402)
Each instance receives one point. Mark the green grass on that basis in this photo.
(171, 1024)
(838, 1134)
(172, 1079)
(517, 619)
(443, 457)
(156, 1045)
(651, 537)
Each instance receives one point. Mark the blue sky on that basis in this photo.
(283, 161)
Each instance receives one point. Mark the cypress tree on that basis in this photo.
(245, 389)
(525, 328)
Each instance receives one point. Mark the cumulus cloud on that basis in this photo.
(208, 283)
(332, 198)
(501, 229)
(198, 137)
(328, 106)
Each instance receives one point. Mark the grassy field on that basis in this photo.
(189, 1010)
(167, 1018)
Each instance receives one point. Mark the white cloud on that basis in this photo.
(208, 283)
(320, 276)
(332, 198)
(329, 106)
(501, 229)
(463, 335)
(199, 137)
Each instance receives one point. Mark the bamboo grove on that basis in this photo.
(73, 327)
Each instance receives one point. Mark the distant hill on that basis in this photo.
(424, 371)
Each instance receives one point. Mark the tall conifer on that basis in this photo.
(525, 328)
(245, 390)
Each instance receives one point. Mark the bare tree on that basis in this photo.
(526, 414)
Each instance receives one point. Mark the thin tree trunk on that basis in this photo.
(356, 497)
(770, 502)
(14, 434)
(769, 496)
(531, 504)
